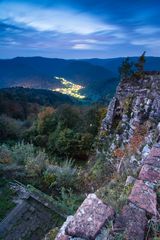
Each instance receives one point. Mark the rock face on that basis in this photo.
(107, 122)
(90, 218)
(88, 221)
(130, 134)
(62, 235)
(132, 221)
(133, 117)
(149, 173)
(144, 197)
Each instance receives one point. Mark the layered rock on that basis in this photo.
(131, 130)
(88, 221)
(132, 122)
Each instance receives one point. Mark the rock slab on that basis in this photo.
(155, 152)
(132, 222)
(154, 161)
(149, 173)
(62, 235)
(90, 218)
(144, 197)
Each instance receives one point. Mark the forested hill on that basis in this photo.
(18, 102)
(92, 78)
(38, 72)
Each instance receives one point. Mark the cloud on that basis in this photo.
(149, 42)
(82, 46)
(102, 28)
(53, 19)
(147, 30)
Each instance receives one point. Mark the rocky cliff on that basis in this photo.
(131, 125)
(130, 136)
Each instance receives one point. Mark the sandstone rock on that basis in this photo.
(132, 221)
(149, 173)
(90, 218)
(130, 180)
(154, 161)
(135, 221)
(157, 145)
(107, 121)
(145, 151)
(155, 152)
(62, 235)
(158, 127)
(103, 235)
(144, 197)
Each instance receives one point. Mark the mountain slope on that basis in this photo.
(152, 63)
(20, 102)
(38, 72)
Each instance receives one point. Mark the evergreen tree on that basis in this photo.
(126, 68)
(140, 64)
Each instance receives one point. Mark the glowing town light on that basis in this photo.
(69, 88)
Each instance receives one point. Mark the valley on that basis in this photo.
(69, 88)
(64, 156)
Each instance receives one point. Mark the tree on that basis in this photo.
(126, 68)
(140, 64)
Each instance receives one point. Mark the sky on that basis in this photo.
(79, 28)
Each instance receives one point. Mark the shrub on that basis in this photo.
(52, 234)
(36, 164)
(115, 193)
(9, 128)
(62, 176)
(69, 201)
(45, 119)
(49, 179)
(103, 167)
(5, 154)
(21, 152)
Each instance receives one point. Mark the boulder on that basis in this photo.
(132, 222)
(155, 152)
(62, 235)
(135, 222)
(154, 161)
(149, 173)
(90, 218)
(130, 180)
(144, 197)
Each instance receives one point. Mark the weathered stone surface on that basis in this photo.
(62, 235)
(135, 222)
(90, 218)
(155, 161)
(155, 152)
(145, 151)
(130, 180)
(144, 197)
(149, 173)
(107, 121)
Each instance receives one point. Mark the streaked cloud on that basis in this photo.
(147, 30)
(60, 20)
(149, 42)
(83, 46)
(79, 28)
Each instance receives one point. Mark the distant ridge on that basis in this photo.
(99, 77)
(152, 63)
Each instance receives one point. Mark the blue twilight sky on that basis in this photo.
(79, 28)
